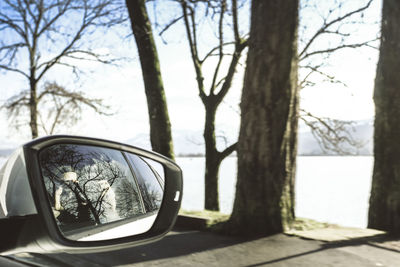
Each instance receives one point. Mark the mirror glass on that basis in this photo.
(98, 193)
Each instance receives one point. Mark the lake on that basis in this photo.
(328, 189)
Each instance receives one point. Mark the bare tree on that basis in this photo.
(35, 39)
(229, 48)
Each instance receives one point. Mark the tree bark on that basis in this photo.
(288, 196)
(264, 201)
(384, 210)
(213, 160)
(160, 127)
(33, 103)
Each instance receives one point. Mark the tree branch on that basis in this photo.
(333, 49)
(221, 42)
(193, 49)
(326, 25)
(14, 70)
(227, 151)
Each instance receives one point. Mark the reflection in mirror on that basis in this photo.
(100, 193)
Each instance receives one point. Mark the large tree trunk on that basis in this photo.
(160, 127)
(264, 200)
(384, 210)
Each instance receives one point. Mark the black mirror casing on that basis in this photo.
(40, 233)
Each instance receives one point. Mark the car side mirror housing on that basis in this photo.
(80, 195)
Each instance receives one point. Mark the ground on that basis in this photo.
(313, 245)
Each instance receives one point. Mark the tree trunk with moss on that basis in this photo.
(384, 210)
(264, 201)
(212, 157)
(33, 111)
(160, 127)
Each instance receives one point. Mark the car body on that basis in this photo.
(80, 195)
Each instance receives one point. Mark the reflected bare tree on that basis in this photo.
(83, 184)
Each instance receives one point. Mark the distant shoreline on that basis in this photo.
(299, 155)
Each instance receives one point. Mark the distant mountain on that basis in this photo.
(191, 143)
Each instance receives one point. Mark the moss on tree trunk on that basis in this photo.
(384, 210)
(264, 201)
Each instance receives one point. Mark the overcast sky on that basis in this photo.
(122, 88)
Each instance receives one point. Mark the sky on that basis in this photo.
(122, 87)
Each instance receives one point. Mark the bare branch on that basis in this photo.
(212, 51)
(170, 24)
(221, 42)
(191, 35)
(227, 151)
(51, 21)
(331, 135)
(339, 47)
(326, 25)
(235, 20)
(239, 47)
(14, 70)
(316, 69)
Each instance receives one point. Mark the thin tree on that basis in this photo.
(160, 126)
(220, 84)
(267, 120)
(35, 39)
(384, 209)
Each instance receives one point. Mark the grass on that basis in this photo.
(303, 224)
(212, 217)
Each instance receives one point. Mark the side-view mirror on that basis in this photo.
(79, 194)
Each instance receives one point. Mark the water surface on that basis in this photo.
(328, 189)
